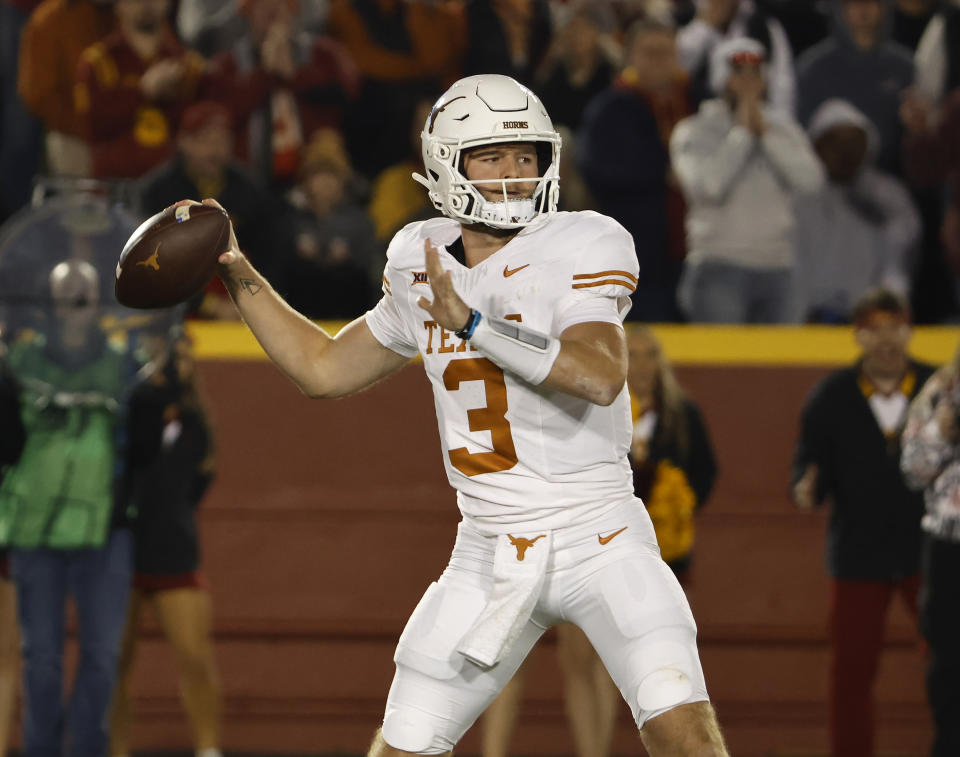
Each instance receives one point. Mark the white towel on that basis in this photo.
(519, 569)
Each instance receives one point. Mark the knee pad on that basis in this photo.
(409, 731)
(669, 684)
(665, 673)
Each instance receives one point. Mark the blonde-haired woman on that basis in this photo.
(671, 455)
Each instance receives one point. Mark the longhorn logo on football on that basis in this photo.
(153, 261)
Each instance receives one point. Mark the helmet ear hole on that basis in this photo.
(544, 156)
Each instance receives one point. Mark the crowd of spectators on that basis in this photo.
(697, 124)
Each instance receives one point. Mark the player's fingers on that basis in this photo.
(446, 290)
(436, 278)
(213, 203)
(425, 304)
(228, 257)
(433, 260)
(234, 244)
(437, 282)
(182, 202)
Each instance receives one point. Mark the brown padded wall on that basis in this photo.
(328, 520)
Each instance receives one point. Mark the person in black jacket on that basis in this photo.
(169, 468)
(849, 452)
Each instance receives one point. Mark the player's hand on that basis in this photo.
(915, 111)
(233, 253)
(447, 309)
(162, 80)
(276, 52)
(805, 490)
(717, 13)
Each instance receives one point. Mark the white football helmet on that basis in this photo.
(482, 110)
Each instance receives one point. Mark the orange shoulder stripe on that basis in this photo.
(625, 285)
(626, 274)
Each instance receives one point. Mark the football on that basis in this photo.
(171, 256)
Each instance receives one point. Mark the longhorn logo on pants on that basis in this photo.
(523, 545)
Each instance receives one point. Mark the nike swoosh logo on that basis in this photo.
(607, 539)
(507, 273)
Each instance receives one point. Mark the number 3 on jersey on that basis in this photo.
(492, 417)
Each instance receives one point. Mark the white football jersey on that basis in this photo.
(518, 454)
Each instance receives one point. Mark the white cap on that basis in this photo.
(723, 54)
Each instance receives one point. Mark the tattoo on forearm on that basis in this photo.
(250, 286)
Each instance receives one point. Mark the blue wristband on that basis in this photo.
(470, 326)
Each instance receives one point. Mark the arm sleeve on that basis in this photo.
(813, 445)
(386, 322)
(604, 276)
(694, 43)
(930, 60)
(145, 420)
(45, 73)
(789, 150)
(925, 452)
(782, 77)
(707, 170)
(373, 59)
(901, 231)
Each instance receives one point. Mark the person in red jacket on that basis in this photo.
(130, 89)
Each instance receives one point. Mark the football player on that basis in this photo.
(516, 310)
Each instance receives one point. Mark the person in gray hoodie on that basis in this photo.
(740, 163)
(859, 63)
(860, 230)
